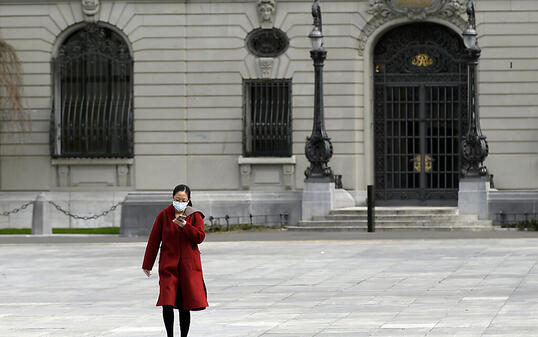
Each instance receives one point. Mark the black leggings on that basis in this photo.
(184, 320)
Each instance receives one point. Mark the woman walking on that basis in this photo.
(180, 228)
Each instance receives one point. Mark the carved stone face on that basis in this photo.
(266, 11)
(90, 7)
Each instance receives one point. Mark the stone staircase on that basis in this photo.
(395, 218)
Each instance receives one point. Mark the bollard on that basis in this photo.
(283, 220)
(39, 225)
(227, 218)
(251, 223)
(371, 209)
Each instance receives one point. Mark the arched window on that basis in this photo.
(92, 115)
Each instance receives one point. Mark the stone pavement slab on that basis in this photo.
(322, 288)
(278, 235)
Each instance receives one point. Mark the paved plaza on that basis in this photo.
(389, 287)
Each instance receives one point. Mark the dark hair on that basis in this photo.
(183, 188)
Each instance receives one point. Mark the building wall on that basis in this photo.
(190, 60)
(508, 33)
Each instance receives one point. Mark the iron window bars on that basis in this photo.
(92, 114)
(267, 118)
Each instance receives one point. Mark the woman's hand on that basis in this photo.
(147, 272)
(180, 221)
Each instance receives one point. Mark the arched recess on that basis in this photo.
(92, 107)
(417, 113)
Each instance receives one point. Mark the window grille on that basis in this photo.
(267, 118)
(93, 100)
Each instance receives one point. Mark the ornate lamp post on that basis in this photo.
(474, 145)
(318, 148)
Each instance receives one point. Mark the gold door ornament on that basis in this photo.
(417, 163)
(422, 60)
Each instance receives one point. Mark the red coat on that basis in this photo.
(179, 257)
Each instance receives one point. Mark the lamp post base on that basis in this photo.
(473, 196)
(318, 198)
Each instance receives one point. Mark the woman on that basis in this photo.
(180, 228)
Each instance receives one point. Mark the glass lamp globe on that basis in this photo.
(316, 38)
(470, 38)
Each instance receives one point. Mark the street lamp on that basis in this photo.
(318, 147)
(316, 37)
(474, 145)
(470, 38)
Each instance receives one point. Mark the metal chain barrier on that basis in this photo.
(18, 209)
(282, 217)
(84, 217)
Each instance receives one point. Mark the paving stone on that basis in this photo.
(386, 287)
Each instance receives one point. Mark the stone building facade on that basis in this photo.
(189, 75)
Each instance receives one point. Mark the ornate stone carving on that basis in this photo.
(90, 7)
(266, 66)
(383, 11)
(416, 9)
(267, 42)
(266, 13)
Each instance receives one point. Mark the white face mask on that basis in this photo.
(180, 205)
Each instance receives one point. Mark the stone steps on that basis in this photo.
(395, 218)
(391, 228)
(422, 223)
(397, 210)
(398, 217)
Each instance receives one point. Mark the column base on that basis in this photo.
(318, 199)
(473, 197)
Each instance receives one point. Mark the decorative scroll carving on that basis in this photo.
(383, 11)
(416, 9)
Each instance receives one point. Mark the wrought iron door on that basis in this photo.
(419, 113)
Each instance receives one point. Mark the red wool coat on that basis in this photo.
(179, 258)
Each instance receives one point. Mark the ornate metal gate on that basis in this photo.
(419, 114)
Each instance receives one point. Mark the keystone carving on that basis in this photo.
(266, 12)
(90, 8)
